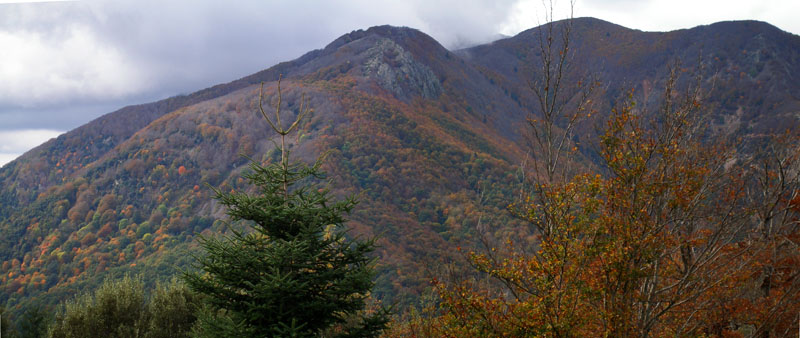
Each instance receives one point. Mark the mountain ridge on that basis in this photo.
(432, 139)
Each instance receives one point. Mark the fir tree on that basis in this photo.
(294, 273)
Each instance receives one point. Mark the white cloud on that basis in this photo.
(659, 15)
(15, 142)
(531, 13)
(29, 1)
(666, 15)
(5, 158)
(458, 22)
(72, 65)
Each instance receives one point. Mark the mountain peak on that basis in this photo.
(397, 58)
(400, 35)
(743, 28)
(579, 24)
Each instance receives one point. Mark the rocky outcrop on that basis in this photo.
(395, 70)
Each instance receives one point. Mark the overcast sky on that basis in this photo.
(63, 64)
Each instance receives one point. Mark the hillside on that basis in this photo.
(431, 139)
(748, 68)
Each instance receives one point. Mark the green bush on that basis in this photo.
(122, 309)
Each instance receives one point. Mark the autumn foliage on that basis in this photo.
(677, 235)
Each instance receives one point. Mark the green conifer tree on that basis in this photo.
(294, 273)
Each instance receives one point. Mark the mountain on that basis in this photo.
(430, 139)
(750, 69)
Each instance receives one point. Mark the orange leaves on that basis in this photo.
(794, 204)
(546, 291)
(660, 246)
(105, 231)
(139, 248)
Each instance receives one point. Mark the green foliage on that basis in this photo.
(172, 311)
(34, 323)
(116, 308)
(5, 324)
(122, 309)
(294, 273)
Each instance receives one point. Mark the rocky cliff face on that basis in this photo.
(395, 70)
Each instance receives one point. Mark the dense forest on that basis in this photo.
(541, 185)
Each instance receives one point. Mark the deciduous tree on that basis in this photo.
(123, 309)
(676, 232)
